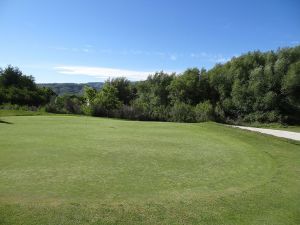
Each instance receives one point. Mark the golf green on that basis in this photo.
(86, 170)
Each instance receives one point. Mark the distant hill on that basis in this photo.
(70, 88)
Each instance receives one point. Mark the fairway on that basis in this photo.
(84, 170)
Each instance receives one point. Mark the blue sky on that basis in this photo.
(83, 41)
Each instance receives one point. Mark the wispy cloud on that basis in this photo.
(173, 57)
(286, 43)
(215, 58)
(222, 59)
(103, 72)
(85, 48)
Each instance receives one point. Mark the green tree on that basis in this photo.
(105, 101)
(291, 83)
(89, 94)
(186, 87)
(124, 87)
(204, 111)
(182, 112)
(17, 88)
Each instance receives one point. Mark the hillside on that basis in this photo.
(70, 88)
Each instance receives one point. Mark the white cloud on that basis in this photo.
(103, 72)
(86, 49)
(173, 57)
(221, 60)
(200, 55)
(59, 48)
(215, 58)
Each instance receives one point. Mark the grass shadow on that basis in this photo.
(2, 121)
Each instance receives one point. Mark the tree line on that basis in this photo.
(19, 89)
(258, 86)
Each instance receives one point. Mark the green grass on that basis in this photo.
(84, 170)
(10, 112)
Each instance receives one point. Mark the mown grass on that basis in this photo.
(15, 112)
(85, 170)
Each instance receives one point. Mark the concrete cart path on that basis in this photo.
(277, 133)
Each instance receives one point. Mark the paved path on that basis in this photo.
(277, 133)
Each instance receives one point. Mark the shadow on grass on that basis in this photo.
(2, 121)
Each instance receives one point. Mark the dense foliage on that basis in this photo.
(17, 88)
(255, 87)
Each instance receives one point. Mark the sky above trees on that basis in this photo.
(81, 41)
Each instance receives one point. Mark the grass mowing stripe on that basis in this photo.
(85, 170)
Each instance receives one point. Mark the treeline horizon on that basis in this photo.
(256, 87)
(70, 88)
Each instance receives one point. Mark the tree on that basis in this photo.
(185, 88)
(291, 83)
(254, 87)
(124, 88)
(204, 111)
(182, 112)
(12, 76)
(106, 100)
(89, 94)
(17, 88)
(153, 96)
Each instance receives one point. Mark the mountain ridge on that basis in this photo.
(71, 88)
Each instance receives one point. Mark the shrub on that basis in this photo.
(263, 117)
(182, 112)
(65, 104)
(219, 113)
(128, 112)
(204, 112)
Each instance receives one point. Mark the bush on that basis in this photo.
(128, 112)
(99, 110)
(65, 104)
(204, 112)
(182, 112)
(219, 113)
(52, 108)
(263, 117)
(9, 106)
